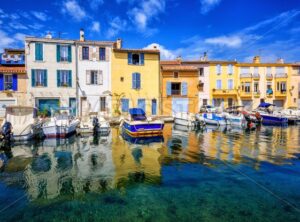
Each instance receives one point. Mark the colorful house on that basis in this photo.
(51, 68)
(295, 86)
(94, 74)
(180, 87)
(13, 79)
(135, 80)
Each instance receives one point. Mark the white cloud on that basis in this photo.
(6, 40)
(145, 12)
(228, 41)
(19, 37)
(165, 53)
(116, 26)
(72, 8)
(95, 27)
(17, 25)
(208, 5)
(94, 4)
(40, 15)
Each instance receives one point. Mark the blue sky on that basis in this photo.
(226, 29)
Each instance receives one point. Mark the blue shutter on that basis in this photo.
(169, 88)
(125, 105)
(33, 78)
(37, 49)
(138, 80)
(70, 78)
(58, 78)
(129, 58)
(45, 78)
(58, 53)
(142, 104)
(69, 53)
(134, 81)
(142, 58)
(184, 88)
(15, 82)
(154, 105)
(1, 82)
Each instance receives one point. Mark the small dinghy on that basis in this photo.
(211, 119)
(185, 119)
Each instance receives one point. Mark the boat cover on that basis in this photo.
(137, 114)
(265, 105)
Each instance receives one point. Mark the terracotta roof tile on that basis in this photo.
(12, 69)
(138, 50)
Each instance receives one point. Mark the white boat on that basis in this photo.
(291, 113)
(61, 125)
(94, 123)
(211, 119)
(234, 116)
(25, 125)
(185, 119)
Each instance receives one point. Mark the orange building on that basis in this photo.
(179, 87)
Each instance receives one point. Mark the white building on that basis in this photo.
(51, 68)
(94, 75)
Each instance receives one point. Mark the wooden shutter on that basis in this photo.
(97, 55)
(184, 88)
(32, 78)
(129, 58)
(169, 88)
(100, 77)
(90, 53)
(58, 53)
(107, 50)
(58, 81)
(70, 78)
(138, 80)
(80, 52)
(69, 53)
(1, 82)
(134, 80)
(15, 82)
(142, 58)
(88, 77)
(45, 76)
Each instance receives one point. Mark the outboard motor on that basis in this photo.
(95, 125)
(258, 117)
(7, 131)
(250, 124)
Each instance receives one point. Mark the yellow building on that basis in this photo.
(135, 80)
(223, 80)
(295, 86)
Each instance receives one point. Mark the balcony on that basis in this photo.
(269, 76)
(246, 75)
(281, 93)
(244, 94)
(224, 92)
(280, 75)
(256, 76)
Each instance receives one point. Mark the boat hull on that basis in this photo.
(56, 131)
(212, 119)
(138, 128)
(276, 120)
(184, 122)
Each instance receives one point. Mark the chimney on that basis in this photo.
(179, 59)
(280, 61)
(49, 36)
(81, 35)
(119, 43)
(154, 46)
(256, 59)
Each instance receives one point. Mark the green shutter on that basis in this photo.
(33, 78)
(69, 53)
(58, 78)
(45, 78)
(70, 78)
(37, 51)
(58, 53)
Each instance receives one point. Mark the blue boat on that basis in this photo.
(268, 117)
(139, 125)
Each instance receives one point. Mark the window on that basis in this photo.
(63, 53)
(175, 88)
(94, 77)
(230, 83)
(269, 70)
(230, 69)
(245, 70)
(256, 87)
(64, 78)
(136, 80)
(204, 103)
(102, 54)
(269, 88)
(281, 86)
(135, 58)
(8, 82)
(230, 102)
(39, 77)
(201, 72)
(218, 69)
(175, 74)
(102, 104)
(247, 88)
(38, 52)
(200, 86)
(125, 105)
(219, 84)
(85, 53)
(256, 72)
(280, 70)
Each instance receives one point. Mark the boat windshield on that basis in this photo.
(137, 114)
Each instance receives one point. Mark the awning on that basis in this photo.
(12, 69)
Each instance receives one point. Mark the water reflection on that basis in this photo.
(72, 167)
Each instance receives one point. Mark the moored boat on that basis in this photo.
(138, 124)
(268, 117)
(211, 119)
(94, 123)
(185, 119)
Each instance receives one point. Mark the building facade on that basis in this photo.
(13, 79)
(180, 87)
(94, 74)
(135, 80)
(295, 86)
(50, 64)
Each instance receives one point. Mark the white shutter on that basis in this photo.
(100, 77)
(88, 77)
(80, 52)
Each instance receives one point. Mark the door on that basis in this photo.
(278, 103)
(180, 105)
(154, 106)
(102, 104)
(4, 103)
(47, 105)
(142, 104)
(72, 105)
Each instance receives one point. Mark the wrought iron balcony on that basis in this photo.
(280, 75)
(245, 75)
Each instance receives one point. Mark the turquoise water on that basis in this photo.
(208, 175)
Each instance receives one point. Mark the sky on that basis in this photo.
(225, 29)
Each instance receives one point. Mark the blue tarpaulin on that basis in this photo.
(265, 105)
(137, 113)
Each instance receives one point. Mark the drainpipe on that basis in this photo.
(77, 80)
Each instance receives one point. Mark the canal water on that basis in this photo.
(205, 175)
